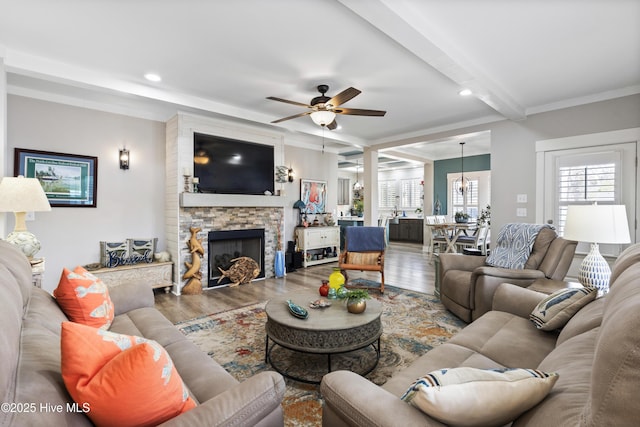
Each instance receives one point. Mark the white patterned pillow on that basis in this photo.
(514, 245)
(479, 397)
(554, 311)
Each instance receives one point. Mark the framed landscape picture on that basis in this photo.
(313, 194)
(68, 180)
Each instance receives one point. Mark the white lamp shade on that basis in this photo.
(597, 224)
(323, 118)
(22, 195)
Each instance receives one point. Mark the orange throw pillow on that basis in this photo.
(121, 380)
(84, 298)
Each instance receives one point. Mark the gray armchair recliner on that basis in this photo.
(467, 283)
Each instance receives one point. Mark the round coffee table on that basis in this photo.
(330, 330)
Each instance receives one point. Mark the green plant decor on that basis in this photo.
(485, 216)
(461, 215)
(356, 294)
(358, 205)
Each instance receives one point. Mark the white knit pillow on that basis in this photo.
(479, 397)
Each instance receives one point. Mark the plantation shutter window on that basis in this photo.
(387, 194)
(585, 179)
(411, 191)
(343, 191)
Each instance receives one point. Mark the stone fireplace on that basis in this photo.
(224, 246)
(215, 212)
(223, 219)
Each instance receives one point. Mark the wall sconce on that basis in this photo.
(124, 159)
(290, 175)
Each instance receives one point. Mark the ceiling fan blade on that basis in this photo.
(333, 125)
(359, 112)
(306, 113)
(344, 96)
(300, 104)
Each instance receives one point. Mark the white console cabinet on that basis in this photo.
(314, 242)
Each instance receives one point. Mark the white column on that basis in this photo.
(427, 205)
(370, 173)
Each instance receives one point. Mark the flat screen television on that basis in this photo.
(229, 166)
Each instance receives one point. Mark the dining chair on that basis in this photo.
(478, 240)
(437, 238)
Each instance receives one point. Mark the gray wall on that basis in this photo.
(513, 157)
(129, 203)
(513, 149)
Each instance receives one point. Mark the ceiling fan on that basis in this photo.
(323, 109)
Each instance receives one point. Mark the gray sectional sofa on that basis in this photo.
(30, 352)
(596, 354)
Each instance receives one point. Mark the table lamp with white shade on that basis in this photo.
(596, 224)
(21, 195)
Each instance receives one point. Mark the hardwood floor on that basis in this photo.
(406, 266)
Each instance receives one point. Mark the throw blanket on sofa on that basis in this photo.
(514, 245)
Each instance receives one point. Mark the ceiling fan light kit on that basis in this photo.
(323, 117)
(323, 110)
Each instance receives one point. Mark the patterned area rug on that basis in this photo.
(413, 323)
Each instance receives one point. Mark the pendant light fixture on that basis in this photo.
(357, 186)
(461, 184)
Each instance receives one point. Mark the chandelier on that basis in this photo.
(357, 186)
(462, 184)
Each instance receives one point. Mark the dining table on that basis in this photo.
(450, 232)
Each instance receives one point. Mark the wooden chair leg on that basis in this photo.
(346, 276)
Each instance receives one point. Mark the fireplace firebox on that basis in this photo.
(225, 246)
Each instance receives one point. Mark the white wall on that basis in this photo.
(129, 203)
(308, 164)
(397, 175)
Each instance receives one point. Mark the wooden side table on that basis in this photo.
(549, 286)
(156, 274)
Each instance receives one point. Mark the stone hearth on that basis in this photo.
(229, 218)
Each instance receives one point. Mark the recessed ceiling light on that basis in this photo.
(465, 92)
(153, 77)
